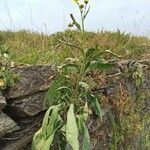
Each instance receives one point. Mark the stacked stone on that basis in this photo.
(21, 107)
(24, 105)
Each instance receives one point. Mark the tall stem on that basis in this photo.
(82, 19)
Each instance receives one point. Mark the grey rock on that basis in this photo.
(7, 125)
(29, 106)
(26, 98)
(2, 102)
(21, 139)
(31, 79)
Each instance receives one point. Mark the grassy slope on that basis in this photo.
(35, 48)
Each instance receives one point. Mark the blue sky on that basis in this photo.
(50, 16)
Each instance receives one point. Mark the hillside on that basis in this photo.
(113, 94)
(37, 48)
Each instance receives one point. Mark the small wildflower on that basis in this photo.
(86, 1)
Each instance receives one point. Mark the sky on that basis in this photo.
(50, 16)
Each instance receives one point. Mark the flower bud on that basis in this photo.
(81, 6)
(86, 1)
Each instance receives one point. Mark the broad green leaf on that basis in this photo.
(49, 96)
(46, 120)
(67, 66)
(72, 129)
(86, 138)
(95, 104)
(44, 137)
(100, 66)
(40, 143)
(38, 140)
(49, 140)
(53, 121)
(84, 131)
(89, 53)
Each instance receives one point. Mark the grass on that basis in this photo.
(36, 48)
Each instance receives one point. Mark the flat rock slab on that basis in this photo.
(7, 125)
(19, 139)
(25, 107)
(31, 79)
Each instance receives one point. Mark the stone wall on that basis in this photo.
(21, 106)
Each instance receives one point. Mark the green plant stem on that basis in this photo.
(82, 19)
(79, 78)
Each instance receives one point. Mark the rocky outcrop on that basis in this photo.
(27, 106)
(24, 106)
(7, 125)
(2, 102)
(21, 106)
(31, 80)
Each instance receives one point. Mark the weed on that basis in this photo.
(127, 122)
(6, 76)
(71, 101)
(36, 48)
